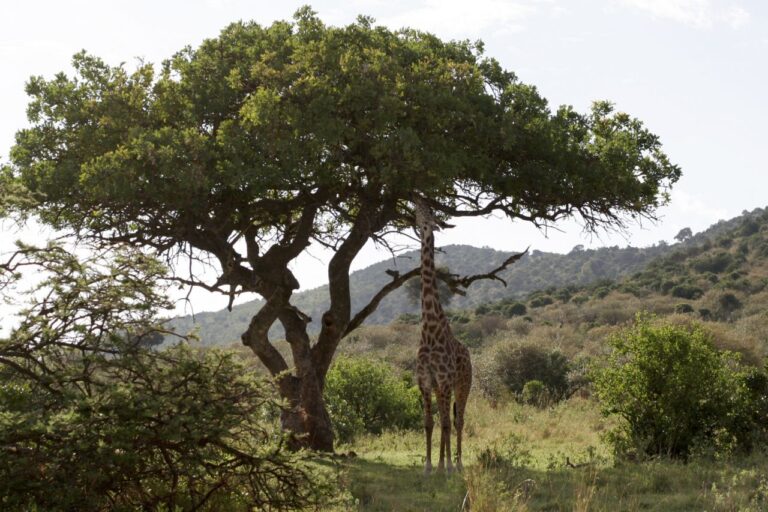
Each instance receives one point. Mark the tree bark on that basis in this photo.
(316, 431)
(306, 417)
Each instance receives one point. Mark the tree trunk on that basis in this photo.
(307, 388)
(306, 417)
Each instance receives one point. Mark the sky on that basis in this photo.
(693, 70)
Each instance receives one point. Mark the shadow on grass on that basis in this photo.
(378, 486)
(663, 486)
(657, 486)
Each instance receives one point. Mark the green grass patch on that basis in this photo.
(522, 458)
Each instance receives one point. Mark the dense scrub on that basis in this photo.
(676, 393)
(92, 418)
(509, 369)
(185, 429)
(365, 396)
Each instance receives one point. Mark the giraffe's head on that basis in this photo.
(425, 219)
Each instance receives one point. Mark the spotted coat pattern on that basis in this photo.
(443, 364)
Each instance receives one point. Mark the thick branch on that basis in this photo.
(291, 247)
(257, 336)
(397, 281)
(335, 321)
(459, 285)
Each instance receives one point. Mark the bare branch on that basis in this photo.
(465, 282)
(397, 281)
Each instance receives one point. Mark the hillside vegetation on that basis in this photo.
(536, 437)
(719, 277)
(535, 271)
(679, 347)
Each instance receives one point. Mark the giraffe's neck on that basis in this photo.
(431, 310)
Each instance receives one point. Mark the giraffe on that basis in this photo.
(443, 364)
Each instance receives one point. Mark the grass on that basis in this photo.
(520, 458)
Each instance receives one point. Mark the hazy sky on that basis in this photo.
(695, 71)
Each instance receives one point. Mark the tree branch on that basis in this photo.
(465, 282)
(335, 321)
(397, 281)
(257, 336)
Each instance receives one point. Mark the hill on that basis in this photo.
(536, 271)
(718, 278)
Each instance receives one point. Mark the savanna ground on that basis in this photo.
(521, 458)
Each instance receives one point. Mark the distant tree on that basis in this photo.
(684, 234)
(413, 287)
(577, 248)
(515, 309)
(264, 140)
(749, 227)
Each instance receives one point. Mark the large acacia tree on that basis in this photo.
(265, 140)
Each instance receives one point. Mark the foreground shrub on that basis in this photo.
(674, 392)
(364, 395)
(182, 428)
(92, 419)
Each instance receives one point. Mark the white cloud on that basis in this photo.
(736, 16)
(694, 207)
(460, 19)
(696, 13)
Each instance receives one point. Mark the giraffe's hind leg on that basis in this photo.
(444, 408)
(463, 385)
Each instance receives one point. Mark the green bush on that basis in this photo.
(667, 285)
(602, 292)
(363, 395)
(535, 393)
(515, 309)
(541, 301)
(507, 368)
(716, 262)
(93, 419)
(673, 391)
(727, 305)
(683, 308)
(749, 227)
(687, 291)
(186, 429)
(408, 319)
(580, 299)
(482, 309)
